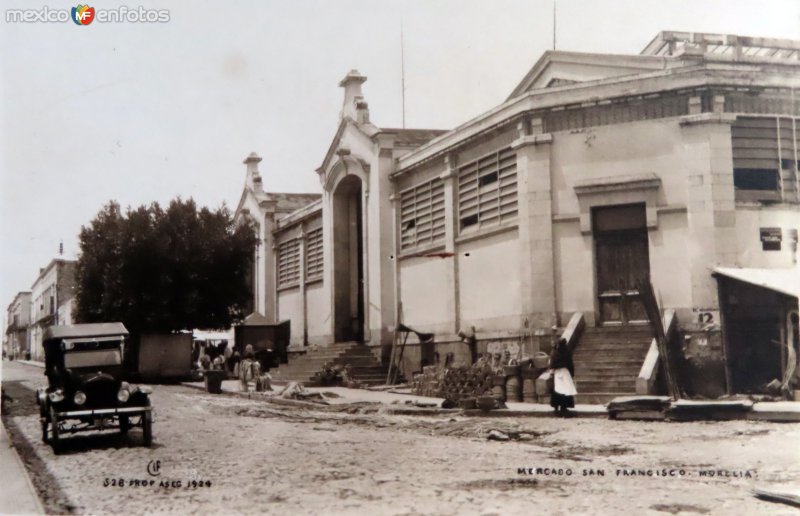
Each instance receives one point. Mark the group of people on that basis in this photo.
(246, 369)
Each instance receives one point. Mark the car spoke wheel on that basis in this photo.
(54, 438)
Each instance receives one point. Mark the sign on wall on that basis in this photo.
(771, 239)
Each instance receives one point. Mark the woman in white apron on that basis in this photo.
(562, 369)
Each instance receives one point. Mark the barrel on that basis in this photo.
(512, 389)
(529, 390)
(499, 392)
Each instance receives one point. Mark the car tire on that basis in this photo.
(55, 440)
(147, 428)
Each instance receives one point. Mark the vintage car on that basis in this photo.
(85, 392)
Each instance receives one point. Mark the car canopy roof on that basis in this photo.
(93, 330)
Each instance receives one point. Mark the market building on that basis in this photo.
(544, 214)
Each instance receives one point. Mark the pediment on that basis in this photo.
(557, 69)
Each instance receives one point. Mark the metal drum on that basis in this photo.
(529, 390)
(499, 392)
(512, 389)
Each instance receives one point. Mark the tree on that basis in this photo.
(160, 270)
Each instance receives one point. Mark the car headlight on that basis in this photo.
(144, 389)
(79, 398)
(123, 395)
(56, 396)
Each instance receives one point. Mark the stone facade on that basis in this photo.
(50, 296)
(492, 225)
(18, 319)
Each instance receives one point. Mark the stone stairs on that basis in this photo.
(364, 367)
(607, 361)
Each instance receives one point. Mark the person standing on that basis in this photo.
(563, 370)
(249, 369)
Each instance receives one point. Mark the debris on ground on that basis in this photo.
(496, 435)
(296, 391)
(788, 496)
(422, 404)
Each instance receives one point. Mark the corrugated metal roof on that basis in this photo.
(785, 281)
(71, 331)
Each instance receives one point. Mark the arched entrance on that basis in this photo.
(348, 260)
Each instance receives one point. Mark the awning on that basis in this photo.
(87, 331)
(785, 281)
(210, 335)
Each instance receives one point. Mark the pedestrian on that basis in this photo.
(218, 363)
(205, 362)
(235, 359)
(228, 353)
(562, 370)
(249, 369)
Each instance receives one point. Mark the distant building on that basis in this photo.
(50, 296)
(18, 318)
(598, 171)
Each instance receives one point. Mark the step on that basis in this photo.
(632, 329)
(632, 365)
(587, 377)
(610, 358)
(594, 348)
(606, 386)
(610, 362)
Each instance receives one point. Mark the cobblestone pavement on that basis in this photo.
(264, 458)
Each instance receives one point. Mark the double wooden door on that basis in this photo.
(622, 259)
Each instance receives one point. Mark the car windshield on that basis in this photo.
(95, 357)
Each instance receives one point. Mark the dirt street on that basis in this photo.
(216, 454)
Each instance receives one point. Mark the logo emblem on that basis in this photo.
(83, 15)
(154, 468)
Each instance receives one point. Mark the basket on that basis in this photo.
(511, 370)
(541, 360)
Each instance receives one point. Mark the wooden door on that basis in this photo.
(622, 259)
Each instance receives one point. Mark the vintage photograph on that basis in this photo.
(412, 257)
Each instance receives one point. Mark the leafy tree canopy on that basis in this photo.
(161, 270)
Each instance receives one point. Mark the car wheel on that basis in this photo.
(55, 441)
(124, 424)
(43, 421)
(147, 428)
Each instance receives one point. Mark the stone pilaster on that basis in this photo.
(711, 205)
(449, 177)
(270, 280)
(302, 252)
(537, 274)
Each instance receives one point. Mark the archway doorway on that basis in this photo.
(348, 260)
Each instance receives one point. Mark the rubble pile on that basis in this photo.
(459, 383)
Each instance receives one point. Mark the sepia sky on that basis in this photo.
(146, 112)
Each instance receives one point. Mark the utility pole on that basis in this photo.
(554, 24)
(402, 74)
